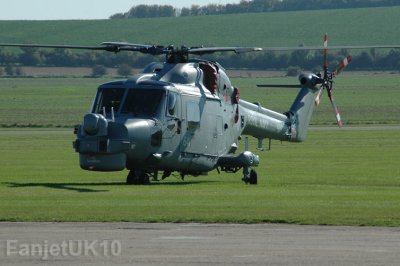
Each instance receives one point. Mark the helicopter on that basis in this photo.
(183, 115)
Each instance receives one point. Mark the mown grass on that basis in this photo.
(345, 27)
(335, 177)
(45, 102)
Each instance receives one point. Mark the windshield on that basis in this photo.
(144, 102)
(108, 98)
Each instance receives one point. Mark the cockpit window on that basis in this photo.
(108, 98)
(144, 102)
(171, 104)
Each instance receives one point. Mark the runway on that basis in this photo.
(195, 244)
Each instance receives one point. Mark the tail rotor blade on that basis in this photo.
(318, 98)
(335, 109)
(326, 55)
(343, 64)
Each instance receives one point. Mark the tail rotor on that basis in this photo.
(324, 80)
(327, 81)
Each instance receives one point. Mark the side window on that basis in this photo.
(193, 114)
(171, 104)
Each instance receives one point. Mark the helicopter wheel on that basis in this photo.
(137, 178)
(253, 177)
(249, 178)
(132, 179)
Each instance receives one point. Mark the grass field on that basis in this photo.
(335, 177)
(41, 102)
(345, 27)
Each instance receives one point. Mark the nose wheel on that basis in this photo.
(249, 177)
(137, 177)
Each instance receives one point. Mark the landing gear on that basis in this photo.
(231, 164)
(137, 177)
(249, 177)
(253, 177)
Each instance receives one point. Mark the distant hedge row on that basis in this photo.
(311, 60)
(252, 6)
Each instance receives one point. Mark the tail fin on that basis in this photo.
(300, 112)
(263, 123)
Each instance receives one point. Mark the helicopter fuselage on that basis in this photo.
(184, 117)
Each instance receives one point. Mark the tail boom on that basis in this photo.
(292, 126)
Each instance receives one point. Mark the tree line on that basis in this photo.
(247, 6)
(308, 60)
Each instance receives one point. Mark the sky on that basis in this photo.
(82, 9)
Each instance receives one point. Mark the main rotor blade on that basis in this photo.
(133, 47)
(121, 46)
(209, 50)
(149, 49)
(339, 47)
(126, 44)
(105, 47)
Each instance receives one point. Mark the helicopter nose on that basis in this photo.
(111, 146)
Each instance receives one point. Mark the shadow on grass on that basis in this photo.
(80, 187)
(179, 183)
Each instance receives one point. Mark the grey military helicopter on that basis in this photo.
(184, 115)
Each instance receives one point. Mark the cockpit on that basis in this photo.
(137, 102)
(107, 99)
(152, 94)
(143, 102)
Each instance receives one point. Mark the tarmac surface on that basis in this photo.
(195, 244)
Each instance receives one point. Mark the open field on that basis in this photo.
(345, 27)
(363, 98)
(335, 177)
